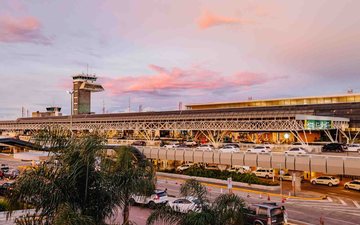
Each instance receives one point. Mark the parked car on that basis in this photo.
(190, 143)
(229, 149)
(211, 166)
(334, 147)
(353, 148)
(12, 174)
(184, 167)
(185, 205)
(239, 169)
(288, 177)
(139, 143)
(296, 151)
(266, 173)
(172, 146)
(6, 187)
(327, 180)
(205, 147)
(236, 145)
(354, 184)
(265, 214)
(260, 149)
(159, 197)
(4, 167)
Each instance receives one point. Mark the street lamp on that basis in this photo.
(281, 178)
(71, 93)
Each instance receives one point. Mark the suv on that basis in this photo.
(327, 180)
(265, 214)
(267, 173)
(159, 197)
(334, 147)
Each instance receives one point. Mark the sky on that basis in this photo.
(157, 53)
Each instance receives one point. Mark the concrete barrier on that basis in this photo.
(220, 182)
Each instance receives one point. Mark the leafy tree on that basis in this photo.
(79, 184)
(226, 209)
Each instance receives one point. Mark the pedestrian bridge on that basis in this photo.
(327, 164)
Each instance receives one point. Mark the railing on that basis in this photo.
(336, 165)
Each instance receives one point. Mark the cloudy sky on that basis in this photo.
(159, 52)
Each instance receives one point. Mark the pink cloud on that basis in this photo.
(177, 79)
(25, 29)
(208, 19)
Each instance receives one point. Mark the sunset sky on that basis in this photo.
(158, 53)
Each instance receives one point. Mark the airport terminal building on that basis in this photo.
(341, 106)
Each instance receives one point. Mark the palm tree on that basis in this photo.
(226, 209)
(69, 184)
(73, 189)
(129, 175)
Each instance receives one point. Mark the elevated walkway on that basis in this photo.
(13, 142)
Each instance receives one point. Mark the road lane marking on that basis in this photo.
(342, 201)
(330, 199)
(356, 204)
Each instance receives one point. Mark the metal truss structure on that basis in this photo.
(172, 120)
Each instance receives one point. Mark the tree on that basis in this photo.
(68, 184)
(226, 209)
(129, 175)
(80, 184)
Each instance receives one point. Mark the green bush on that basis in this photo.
(224, 175)
(4, 205)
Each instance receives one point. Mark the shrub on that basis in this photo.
(224, 175)
(4, 205)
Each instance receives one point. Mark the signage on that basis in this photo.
(229, 183)
(318, 124)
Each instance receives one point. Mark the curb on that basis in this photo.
(222, 184)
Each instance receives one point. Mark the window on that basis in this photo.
(262, 211)
(276, 212)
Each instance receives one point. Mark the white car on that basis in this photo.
(239, 169)
(354, 184)
(172, 146)
(353, 148)
(296, 151)
(289, 177)
(184, 167)
(327, 180)
(159, 197)
(266, 173)
(205, 147)
(229, 149)
(260, 149)
(185, 205)
(190, 143)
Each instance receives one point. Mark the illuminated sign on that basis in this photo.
(318, 124)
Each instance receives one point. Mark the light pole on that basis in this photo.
(71, 93)
(281, 178)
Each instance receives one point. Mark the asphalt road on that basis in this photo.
(332, 211)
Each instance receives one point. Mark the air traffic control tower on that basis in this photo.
(83, 85)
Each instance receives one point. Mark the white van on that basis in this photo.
(266, 173)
